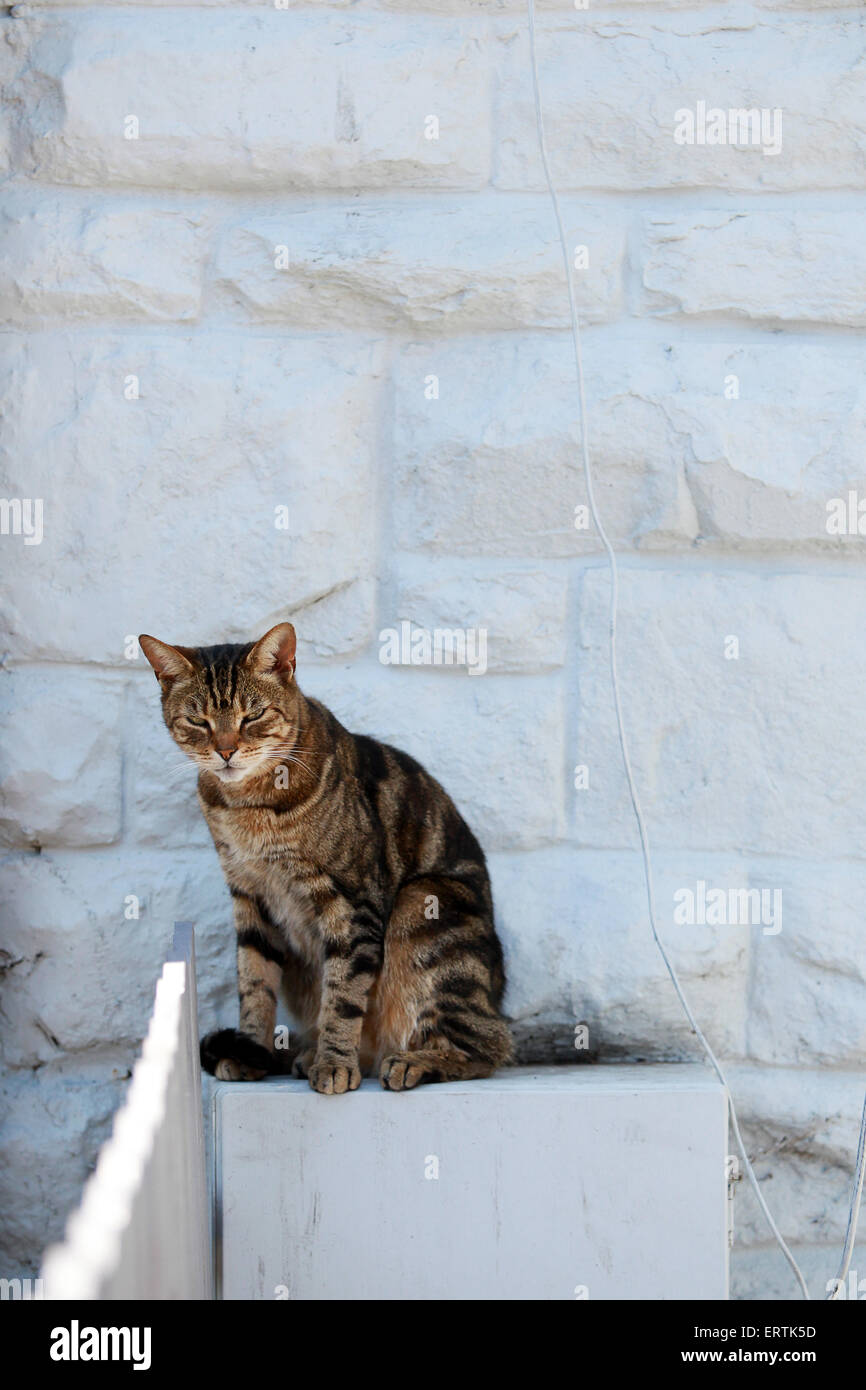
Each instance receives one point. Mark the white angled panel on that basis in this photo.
(141, 1230)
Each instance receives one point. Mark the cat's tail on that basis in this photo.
(228, 1050)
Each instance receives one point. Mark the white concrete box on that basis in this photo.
(599, 1182)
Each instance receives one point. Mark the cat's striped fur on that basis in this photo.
(358, 888)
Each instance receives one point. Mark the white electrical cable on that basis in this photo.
(853, 1214)
(635, 800)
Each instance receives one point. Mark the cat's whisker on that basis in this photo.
(283, 753)
(175, 773)
(293, 747)
(289, 758)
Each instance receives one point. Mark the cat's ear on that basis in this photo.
(274, 654)
(168, 662)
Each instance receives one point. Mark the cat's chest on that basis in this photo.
(268, 868)
(253, 832)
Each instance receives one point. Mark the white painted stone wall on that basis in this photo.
(166, 387)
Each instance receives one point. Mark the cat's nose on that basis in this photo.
(226, 752)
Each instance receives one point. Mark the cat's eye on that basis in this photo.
(199, 723)
(251, 718)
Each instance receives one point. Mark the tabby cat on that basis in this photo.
(358, 888)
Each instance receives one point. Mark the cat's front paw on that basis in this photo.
(233, 1056)
(332, 1076)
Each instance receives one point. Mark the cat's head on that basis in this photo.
(232, 709)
